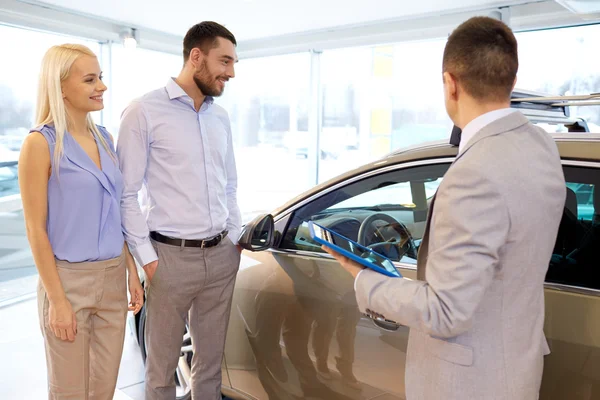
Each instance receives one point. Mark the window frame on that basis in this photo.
(414, 181)
(563, 287)
(283, 219)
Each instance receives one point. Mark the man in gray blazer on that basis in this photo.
(476, 312)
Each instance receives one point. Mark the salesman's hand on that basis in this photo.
(150, 269)
(351, 266)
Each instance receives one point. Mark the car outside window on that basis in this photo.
(386, 211)
(576, 256)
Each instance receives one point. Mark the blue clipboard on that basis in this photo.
(352, 250)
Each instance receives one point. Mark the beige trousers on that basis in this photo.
(87, 368)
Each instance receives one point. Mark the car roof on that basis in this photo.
(572, 146)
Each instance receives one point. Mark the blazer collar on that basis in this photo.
(499, 126)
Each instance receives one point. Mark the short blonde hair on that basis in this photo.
(56, 67)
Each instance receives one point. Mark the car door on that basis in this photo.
(295, 330)
(572, 324)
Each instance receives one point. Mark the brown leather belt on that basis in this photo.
(202, 243)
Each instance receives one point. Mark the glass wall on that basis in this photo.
(562, 62)
(268, 105)
(371, 101)
(379, 99)
(18, 91)
(135, 72)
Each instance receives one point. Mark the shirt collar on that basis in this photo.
(175, 92)
(479, 123)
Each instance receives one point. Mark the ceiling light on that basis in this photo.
(129, 38)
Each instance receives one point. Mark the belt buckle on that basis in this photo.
(202, 245)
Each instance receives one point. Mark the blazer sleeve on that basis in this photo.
(470, 226)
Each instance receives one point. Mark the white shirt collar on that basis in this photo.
(479, 123)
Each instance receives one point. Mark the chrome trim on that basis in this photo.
(326, 256)
(572, 289)
(301, 253)
(577, 103)
(577, 137)
(368, 174)
(575, 163)
(549, 99)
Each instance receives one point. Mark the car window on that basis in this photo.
(576, 256)
(386, 212)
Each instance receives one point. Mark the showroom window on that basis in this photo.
(268, 103)
(379, 99)
(562, 62)
(134, 72)
(18, 93)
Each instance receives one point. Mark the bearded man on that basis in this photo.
(176, 144)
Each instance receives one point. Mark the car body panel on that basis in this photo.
(283, 298)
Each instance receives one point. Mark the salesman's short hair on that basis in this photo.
(481, 54)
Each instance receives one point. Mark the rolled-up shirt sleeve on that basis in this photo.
(133, 147)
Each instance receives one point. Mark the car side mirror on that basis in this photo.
(258, 234)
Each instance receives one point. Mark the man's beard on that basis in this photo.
(206, 84)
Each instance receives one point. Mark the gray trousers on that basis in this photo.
(197, 284)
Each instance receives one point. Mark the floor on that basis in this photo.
(23, 365)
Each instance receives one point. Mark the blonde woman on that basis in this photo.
(71, 190)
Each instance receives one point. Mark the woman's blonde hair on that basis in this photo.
(51, 110)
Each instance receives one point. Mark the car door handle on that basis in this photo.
(386, 325)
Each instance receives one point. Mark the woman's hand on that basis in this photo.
(61, 320)
(136, 293)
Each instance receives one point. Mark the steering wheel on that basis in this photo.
(405, 246)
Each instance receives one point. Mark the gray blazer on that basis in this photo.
(476, 312)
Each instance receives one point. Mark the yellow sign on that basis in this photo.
(383, 62)
(381, 121)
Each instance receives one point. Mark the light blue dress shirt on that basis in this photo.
(84, 213)
(473, 127)
(183, 162)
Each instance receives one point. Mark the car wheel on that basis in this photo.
(183, 373)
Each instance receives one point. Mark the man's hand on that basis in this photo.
(352, 267)
(150, 269)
